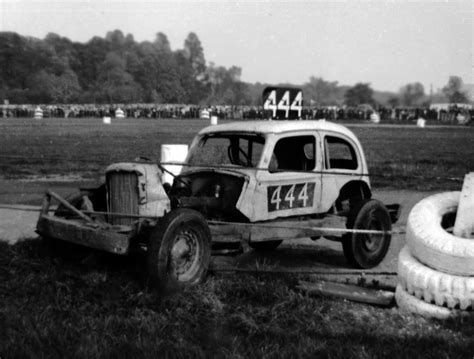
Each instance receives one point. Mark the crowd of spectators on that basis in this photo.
(444, 114)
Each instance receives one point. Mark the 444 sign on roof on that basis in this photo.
(283, 103)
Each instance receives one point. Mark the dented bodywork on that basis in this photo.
(152, 197)
(241, 173)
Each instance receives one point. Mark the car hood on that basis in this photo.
(228, 170)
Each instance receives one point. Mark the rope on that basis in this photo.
(304, 271)
(263, 225)
(318, 229)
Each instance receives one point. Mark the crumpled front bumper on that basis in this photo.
(81, 230)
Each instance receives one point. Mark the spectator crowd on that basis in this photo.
(444, 113)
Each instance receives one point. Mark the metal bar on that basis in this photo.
(299, 271)
(46, 203)
(316, 229)
(69, 206)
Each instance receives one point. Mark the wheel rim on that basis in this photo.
(184, 255)
(372, 243)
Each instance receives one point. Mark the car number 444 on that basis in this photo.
(283, 197)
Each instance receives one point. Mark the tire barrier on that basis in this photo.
(435, 268)
(454, 292)
(410, 304)
(431, 244)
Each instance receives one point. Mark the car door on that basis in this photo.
(342, 163)
(289, 181)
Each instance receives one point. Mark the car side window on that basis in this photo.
(296, 153)
(339, 154)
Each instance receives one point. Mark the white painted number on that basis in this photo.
(270, 103)
(303, 196)
(276, 199)
(297, 103)
(290, 196)
(284, 103)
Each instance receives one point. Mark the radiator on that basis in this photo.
(122, 190)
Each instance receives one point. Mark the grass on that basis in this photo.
(398, 157)
(54, 308)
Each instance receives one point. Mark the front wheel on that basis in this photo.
(179, 250)
(364, 250)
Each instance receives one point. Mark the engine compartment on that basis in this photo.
(213, 194)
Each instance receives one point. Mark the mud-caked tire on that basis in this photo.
(179, 250)
(367, 250)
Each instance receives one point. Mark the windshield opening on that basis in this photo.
(229, 149)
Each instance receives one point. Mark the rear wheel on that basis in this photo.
(179, 250)
(364, 250)
(265, 246)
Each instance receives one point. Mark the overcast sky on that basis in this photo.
(385, 43)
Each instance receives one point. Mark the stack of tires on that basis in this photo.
(436, 268)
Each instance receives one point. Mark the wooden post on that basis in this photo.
(464, 224)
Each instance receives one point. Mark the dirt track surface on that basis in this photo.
(302, 255)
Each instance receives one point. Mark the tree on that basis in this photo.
(453, 90)
(321, 92)
(412, 94)
(359, 94)
(162, 43)
(394, 101)
(195, 54)
(225, 85)
(114, 83)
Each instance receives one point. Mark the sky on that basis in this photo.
(385, 43)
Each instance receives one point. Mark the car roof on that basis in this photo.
(267, 127)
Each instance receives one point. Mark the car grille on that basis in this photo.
(122, 190)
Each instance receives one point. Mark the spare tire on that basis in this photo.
(431, 244)
(455, 292)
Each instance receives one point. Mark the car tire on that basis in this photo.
(266, 245)
(454, 292)
(367, 250)
(179, 250)
(410, 304)
(431, 244)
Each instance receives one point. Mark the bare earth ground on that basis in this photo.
(299, 255)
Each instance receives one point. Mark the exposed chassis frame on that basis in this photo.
(117, 239)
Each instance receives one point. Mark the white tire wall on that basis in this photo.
(410, 304)
(429, 242)
(444, 290)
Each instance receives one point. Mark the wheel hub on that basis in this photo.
(183, 252)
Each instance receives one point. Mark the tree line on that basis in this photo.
(118, 69)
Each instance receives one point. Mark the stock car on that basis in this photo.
(254, 183)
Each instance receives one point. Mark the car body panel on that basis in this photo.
(277, 193)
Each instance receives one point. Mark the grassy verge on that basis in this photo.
(55, 307)
(398, 157)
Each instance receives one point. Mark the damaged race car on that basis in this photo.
(253, 183)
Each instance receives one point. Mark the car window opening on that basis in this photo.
(227, 150)
(339, 154)
(294, 154)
